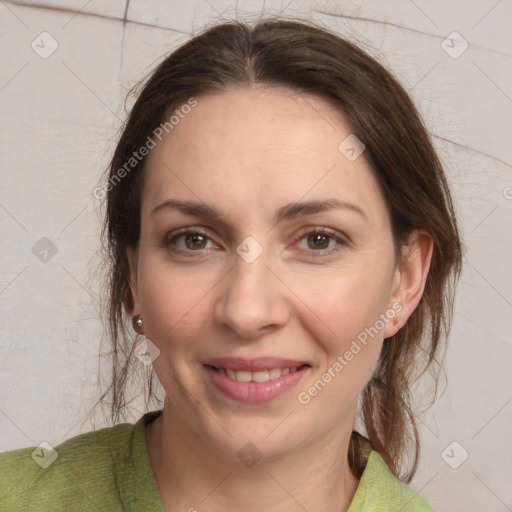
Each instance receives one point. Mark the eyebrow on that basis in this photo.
(287, 212)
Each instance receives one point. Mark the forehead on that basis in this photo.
(257, 146)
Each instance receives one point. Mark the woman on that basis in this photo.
(280, 230)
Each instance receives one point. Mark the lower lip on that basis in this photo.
(254, 392)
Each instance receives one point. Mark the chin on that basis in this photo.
(252, 436)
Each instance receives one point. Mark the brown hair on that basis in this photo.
(308, 59)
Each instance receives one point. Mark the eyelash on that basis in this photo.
(171, 238)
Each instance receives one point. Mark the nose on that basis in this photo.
(252, 301)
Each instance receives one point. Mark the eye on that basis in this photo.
(188, 240)
(321, 240)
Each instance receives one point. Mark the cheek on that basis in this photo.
(173, 303)
(345, 305)
(344, 318)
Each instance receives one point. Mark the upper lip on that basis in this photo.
(259, 363)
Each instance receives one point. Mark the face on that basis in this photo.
(263, 247)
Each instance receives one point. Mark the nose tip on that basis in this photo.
(251, 301)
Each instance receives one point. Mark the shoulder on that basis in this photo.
(82, 473)
(380, 491)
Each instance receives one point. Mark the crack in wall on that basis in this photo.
(459, 145)
(124, 19)
(409, 29)
(64, 10)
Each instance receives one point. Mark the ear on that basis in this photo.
(132, 254)
(409, 279)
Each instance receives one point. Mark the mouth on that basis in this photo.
(257, 376)
(254, 380)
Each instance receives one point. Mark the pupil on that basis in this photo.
(195, 241)
(320, 241)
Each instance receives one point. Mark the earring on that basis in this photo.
(137, 323)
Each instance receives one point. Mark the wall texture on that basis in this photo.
(66, 68)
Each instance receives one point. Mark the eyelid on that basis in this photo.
(319, 229)
(186, 230)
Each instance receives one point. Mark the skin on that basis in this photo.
(248, 152)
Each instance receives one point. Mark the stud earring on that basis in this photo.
(137, 323)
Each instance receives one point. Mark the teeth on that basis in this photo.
(259, 376)
(243, 376)
(276, 373)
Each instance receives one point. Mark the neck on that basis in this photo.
(191, 475)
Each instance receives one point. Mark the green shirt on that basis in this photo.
(109, 470)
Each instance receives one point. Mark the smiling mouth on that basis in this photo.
(258, 376)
